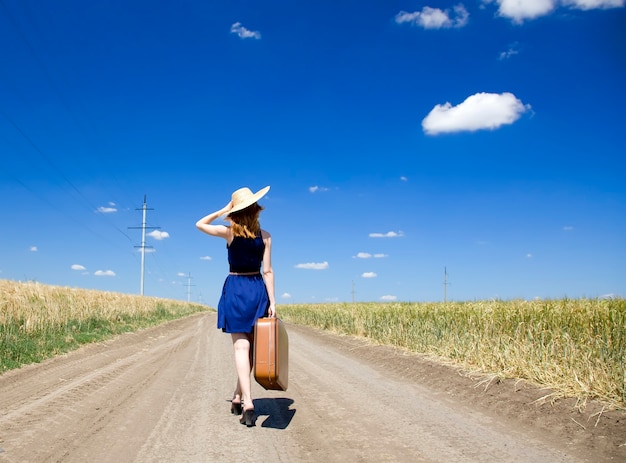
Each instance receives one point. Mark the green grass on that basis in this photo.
(38, 321)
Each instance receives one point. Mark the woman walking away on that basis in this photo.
(248, 291)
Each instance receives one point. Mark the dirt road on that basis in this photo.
(161, 395)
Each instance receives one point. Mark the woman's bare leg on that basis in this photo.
(241, 344)
(237, 393)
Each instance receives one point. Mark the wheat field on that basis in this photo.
(576, 347)
(38, 321)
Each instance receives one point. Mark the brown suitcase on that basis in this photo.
(271, 354)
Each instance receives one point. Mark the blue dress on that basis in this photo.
(244, 297)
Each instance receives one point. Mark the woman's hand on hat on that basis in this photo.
(226, 209)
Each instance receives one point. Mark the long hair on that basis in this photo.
(245, 222)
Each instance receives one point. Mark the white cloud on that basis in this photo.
(181, 274)
(568, 228)
(286, 296)
(478, 112)
(511, 51)
(159, 235)
(390, 234)
(315, 189)
(435, 18)
(313, 266)
(206, 258)
(367, 255)
(593, 4)
(244, 33)
(104, 273)
(519, 11)
(507, 54)
(388, 297)
(147, 250)
(404, 179)
(107, 209)
(529, 256)
(369, 275)
(78, 267)
(33, 249)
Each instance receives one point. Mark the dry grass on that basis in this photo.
(37, 321)
(575, 347)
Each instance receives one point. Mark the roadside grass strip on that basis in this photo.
(40, 321)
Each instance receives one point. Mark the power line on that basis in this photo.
(57, 89)
(173, 259)
(56, 169)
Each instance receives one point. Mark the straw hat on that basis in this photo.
(243, 198)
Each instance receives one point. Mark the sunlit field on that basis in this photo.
(38, 321)
(576, 347)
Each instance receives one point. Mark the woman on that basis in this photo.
(247, 294)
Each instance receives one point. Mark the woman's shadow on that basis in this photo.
(278, 413)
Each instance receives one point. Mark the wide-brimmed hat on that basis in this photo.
(243, 198)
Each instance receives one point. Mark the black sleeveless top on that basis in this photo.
(245, 255)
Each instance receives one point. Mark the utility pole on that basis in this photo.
(353, 292)
(445, 285)
(189, 285)
(143, 240)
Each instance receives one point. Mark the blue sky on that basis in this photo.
(400, 138)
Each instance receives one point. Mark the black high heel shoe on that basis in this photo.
(235, 408)
(248, 417)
